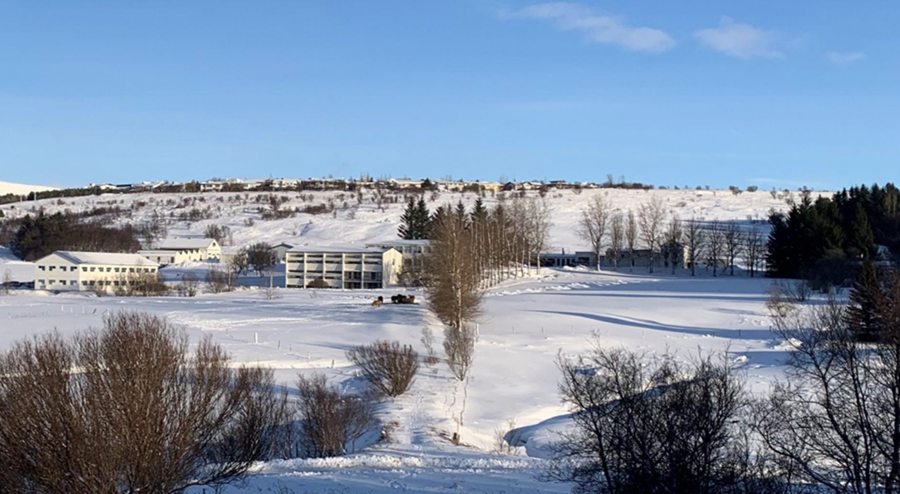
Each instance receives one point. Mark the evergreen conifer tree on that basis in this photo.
(479, 212)
(865, 301)
(408, 221)
(860, 239)
(423, 219)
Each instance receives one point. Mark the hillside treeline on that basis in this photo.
(827, 236)
(43, 234)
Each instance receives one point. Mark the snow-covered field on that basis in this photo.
(526, 323)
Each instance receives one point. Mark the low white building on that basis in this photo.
(179, 250)
(342, 267)
(90, 271)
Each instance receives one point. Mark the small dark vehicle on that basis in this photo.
(403, 299)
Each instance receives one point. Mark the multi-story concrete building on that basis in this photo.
(342, 267)
(90, 271)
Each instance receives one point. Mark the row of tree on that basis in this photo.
(846, 227)
(40, 235)
(669, 241)
(473, 250)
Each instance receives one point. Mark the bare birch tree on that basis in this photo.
(754, 250)
(715, 246)
(592, 226)
(453, 283)
(672, 248)
(6, 282)
(616, 237)
(538, 227)
(694, 241)
(651, 216)
(631, 237)
(732, 244)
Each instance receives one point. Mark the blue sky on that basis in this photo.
(671, 93)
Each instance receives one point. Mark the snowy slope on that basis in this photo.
(20, 189)
(18, 270)
(360, 222)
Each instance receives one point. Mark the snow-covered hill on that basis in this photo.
(20, 189)
(357, 220)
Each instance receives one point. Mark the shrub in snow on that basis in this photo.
(140, 415)
(650, 427)
(330, 421)
(389, 367)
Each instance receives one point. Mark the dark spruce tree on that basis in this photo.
(408, 221)
(479, 212)
(867, 302)
(423, 219)
(860, 240)
(415, 223)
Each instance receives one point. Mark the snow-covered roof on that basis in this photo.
(104, 258)
(400, 243)
(155, 252)
(185, 243)
(337, 249)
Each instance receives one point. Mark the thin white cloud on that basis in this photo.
(603, 29)
(843, 58)
(740, 40)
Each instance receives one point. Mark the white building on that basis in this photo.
(342, 267)
(413, 251)
(281, 251)
(179, 250)
(88, 271)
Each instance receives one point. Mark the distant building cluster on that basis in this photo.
(339, 184)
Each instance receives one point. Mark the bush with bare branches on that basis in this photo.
(330, 421)
(6, 282)
(140, 415)
(219, 280)
(659, 427)
(189, 285)
(459, 348)
(388, 366)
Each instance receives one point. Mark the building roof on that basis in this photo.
(337, 249)
(185, 243)
(155, 252)
(400, 242)
(104, 258)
